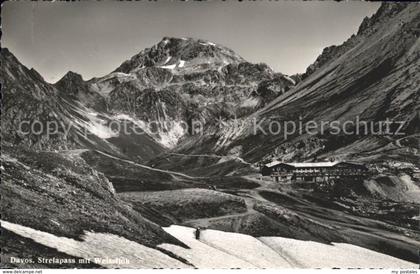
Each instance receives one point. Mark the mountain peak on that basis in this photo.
(369, 26)
(5, 51)
(171, 52)
(71, 83)
(385, 11)
(7, 54)
(71, 76)
(36, 74)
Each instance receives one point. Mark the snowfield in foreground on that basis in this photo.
(218, 249)
(308, 254)
(102, 246)
(214, 249)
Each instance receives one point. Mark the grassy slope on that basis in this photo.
(62, 195)
(180, 205)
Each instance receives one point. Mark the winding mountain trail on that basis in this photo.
(196, 155)
(221, 157)
(250, 196)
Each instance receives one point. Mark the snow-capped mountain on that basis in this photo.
(183, 79)
(88, 190)
(161, 91)
(181, 55)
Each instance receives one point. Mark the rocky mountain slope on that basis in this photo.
(67, 115)
(55, 138)
(121, 187)
(161, 91)
(60, 194)
(181, 80)
(73, 87)
(373, 76)
(27, 96)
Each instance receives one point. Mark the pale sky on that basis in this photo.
(93, 38)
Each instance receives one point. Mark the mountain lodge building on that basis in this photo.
(317, 172)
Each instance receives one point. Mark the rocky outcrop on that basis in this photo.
(268, 90)
(28, 99)
(66, 115)
(176, 53)
(181, 79)
(73, 87)
(368, 27)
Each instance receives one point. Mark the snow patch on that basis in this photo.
(288, 78)
(219, 249)
(104, 85)
(179, 64)
(309, 254)
(101, 130)
(171, 135)
(207, 44)
(200, 254)
(244, 247)
(214, 249)
(167, 135)
(103, 88)
(102, 246)
(121, 74)
(409, 185)
(250, 102)
(171, 67)
(167, 59)
(94, 124)
(116, 75)
(171, 130)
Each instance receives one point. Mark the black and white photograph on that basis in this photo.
(168, 135)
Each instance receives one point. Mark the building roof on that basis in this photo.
(274, 163)
(318, 164)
